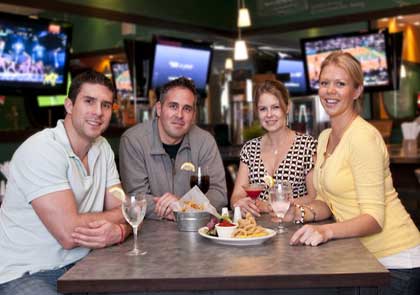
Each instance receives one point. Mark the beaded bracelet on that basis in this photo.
(302, 214)
(122, 233)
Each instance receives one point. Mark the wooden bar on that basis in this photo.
(185, 261)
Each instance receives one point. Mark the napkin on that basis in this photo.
(196, 196)
(410, 130)
(4, 169)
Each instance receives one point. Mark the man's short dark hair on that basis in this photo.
(181, 82)
(91, 77)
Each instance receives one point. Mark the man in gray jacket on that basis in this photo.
(152, 153)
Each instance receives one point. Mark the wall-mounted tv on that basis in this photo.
(121, 77)
(174, 58)
(370, 48)
(51, 101)
(291, 72)
(34, 55)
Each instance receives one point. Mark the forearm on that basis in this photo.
(311, 211)
(360, 226)
(113, 215)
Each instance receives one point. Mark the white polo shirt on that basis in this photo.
(43, 164)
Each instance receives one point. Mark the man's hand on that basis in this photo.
(163, 207)
(247, 205)
(312, 235)
(99, 234)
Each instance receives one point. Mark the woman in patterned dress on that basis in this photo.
(280, 154)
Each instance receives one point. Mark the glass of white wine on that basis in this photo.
(280, 196)
(134, 210)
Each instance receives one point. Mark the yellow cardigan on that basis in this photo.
(356, 180)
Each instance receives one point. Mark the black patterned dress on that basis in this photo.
(293, 168)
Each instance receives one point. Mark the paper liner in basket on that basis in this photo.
(192, 198)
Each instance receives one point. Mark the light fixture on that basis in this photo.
(228, 64)
(403, 72)
(241, 51)
(243, 15)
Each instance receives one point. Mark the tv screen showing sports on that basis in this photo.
(370, 48)
(45, 101)
(34, 55)
(293, 69)
(175, 58)
(121, 77)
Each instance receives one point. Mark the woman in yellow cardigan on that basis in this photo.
(354, 183)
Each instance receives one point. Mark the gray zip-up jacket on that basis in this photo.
(146, 167)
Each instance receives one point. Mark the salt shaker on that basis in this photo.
(225, 211)
(237, 214)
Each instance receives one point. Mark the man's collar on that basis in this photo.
(62, 137)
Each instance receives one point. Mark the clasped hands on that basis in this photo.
(98, 234)
(164, 206)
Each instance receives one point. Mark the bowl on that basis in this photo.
(191, 221)
(225, 231)
(417, 172)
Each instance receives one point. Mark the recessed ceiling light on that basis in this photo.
(385, 19)
(417, 23)
(400, 17)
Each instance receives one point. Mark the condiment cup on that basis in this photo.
(225, 231)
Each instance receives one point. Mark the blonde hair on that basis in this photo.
(275, 88)
(352, 67)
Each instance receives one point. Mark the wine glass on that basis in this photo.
(280, 195)
(134, 210)
(253, 190)
(200, 179)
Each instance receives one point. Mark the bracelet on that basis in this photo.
(301, 220)
(122, 233)
(313, 212)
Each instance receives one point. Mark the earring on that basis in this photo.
(287, 119)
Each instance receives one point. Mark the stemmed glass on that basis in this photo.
(280, 195)
(253, 190)
(134, 210)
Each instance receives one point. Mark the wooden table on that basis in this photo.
(185, 261)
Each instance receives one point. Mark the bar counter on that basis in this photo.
(185, 261)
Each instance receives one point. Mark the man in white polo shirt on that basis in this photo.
(57, 204)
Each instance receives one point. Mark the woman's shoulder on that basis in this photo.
(252, 142)
(363, 130)
(305, 137)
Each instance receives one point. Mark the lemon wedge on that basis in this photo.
(268, 180)
(118, 193)
(188, 166)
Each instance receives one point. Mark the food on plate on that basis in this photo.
(248, 228)
(191, 205)
(226, 223)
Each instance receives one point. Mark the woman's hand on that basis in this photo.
(312, 235)
(264, 206)
(247, 205)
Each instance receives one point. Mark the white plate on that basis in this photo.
(237, 241)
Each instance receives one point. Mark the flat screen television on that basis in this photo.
(174, 58)
(34, 55)
(370, 48)
(52, 101)
(121, 77)
(291, 72)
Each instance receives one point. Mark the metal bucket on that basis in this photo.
(191, 221)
